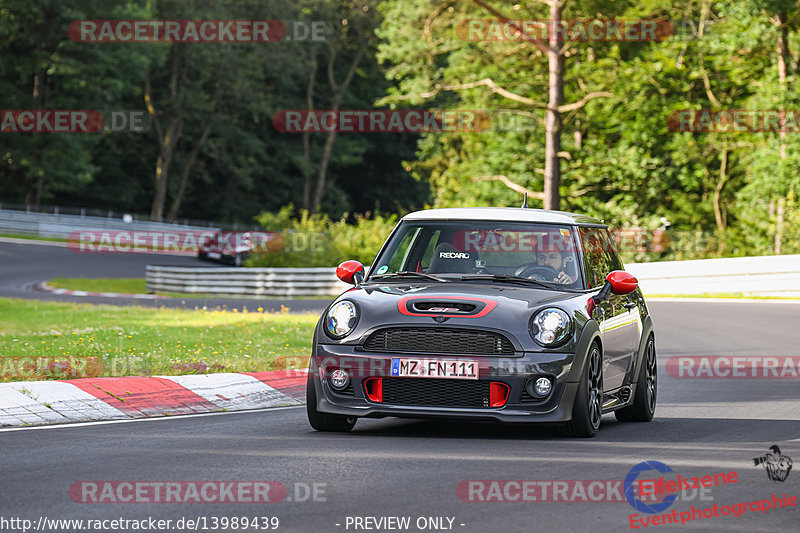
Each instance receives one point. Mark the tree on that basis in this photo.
(46, 73)
(352, 23)
(430, 82)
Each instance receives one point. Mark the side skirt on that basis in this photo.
(618, 399)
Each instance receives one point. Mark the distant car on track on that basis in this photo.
(511, 315)
(227, 247)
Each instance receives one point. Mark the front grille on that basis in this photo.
(438, 340)
(436, 392)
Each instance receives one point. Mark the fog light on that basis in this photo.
(540, 387)
(339, 379)
(543, 386)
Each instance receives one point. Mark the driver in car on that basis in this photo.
(558, 262)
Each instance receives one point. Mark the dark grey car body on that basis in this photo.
(619, 324)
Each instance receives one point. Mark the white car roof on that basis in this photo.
(504, 214)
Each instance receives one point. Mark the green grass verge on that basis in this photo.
(31, 237)
(122, 285)
(44, 340)
(728, 295)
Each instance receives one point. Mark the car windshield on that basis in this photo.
(485, 252)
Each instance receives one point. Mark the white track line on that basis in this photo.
(149, 419)
(721, 300)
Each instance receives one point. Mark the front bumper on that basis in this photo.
(513, 371)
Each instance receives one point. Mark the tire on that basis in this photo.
(587, 411)
(325, 421)
(644, 401)
(202, 256)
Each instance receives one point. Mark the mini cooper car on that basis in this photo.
(505, 314)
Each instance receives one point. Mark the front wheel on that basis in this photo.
(644, 401)
(588, 407)
(324, 421)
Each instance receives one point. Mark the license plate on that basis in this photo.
(214, 255)
(435, 368)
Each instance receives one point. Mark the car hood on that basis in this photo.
(486, 306)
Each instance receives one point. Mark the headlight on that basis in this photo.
(341, 319)
(551, 327)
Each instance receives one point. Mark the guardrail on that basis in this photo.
(757, 276)
(770, 275)
(91, 212)
(60, 225)
(266, 282)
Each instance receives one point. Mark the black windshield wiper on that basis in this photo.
(408, 274)
(510, 279)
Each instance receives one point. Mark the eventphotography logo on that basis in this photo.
(631, 494)
(775, 463)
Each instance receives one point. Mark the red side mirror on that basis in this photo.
(622, 282)
(351, 272)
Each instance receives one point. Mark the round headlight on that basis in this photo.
(551, 327)
(341, 319)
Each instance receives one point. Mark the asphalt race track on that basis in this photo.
(405, 468)
(22, 265)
